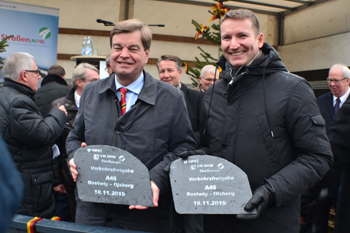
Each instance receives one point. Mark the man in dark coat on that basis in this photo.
(169, 69)
(52, 87)
(339, 137)
(155, 128)
(83, 74)
(28, 135)
(266, 121)
(329, 103)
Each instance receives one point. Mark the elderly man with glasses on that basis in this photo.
(206, 79)
(330, 103)
(28, 135)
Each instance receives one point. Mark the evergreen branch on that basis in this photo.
(2, 48)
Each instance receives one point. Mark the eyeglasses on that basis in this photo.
(90, 80)
(34, 71)
(209, 79)
(106, 69)
(336, 81)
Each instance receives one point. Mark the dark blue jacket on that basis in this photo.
(11, 189)
(156, 130)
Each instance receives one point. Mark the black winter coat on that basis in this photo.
(60, 167)
(29, 137)
(193, 103)
(52, 87)
(266, 121)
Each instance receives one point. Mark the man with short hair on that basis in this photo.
(329, 103)
(169, 69)
(207, 78)
(266, 121)
(52, 87)
(147, 127)
(339, 136)
(83, 74)
(28, 135)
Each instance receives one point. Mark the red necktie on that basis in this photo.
(122, 101)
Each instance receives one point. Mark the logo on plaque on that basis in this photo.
(204, 184)
(108, 174)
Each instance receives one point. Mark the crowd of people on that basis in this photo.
(257, 115)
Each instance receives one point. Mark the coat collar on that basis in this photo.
(148, 93)
(19, 87)
(70, 95)
(53, 78)
(183, 88)
(270, 62)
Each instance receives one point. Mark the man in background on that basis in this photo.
(339, 137)
(169, 69)
(28, 135)
(52, 87)
(329, 103)
(83, 74)
(206, 79)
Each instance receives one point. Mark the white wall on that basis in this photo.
(317, 37)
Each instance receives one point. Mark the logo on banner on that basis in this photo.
(44, 33)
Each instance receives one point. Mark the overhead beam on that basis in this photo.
(263, 4)
(187, 2)
(306, 5)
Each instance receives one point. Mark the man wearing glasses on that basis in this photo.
(206, 79)
(28, 135)
(329, 103)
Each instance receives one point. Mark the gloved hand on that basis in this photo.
(185, 154)
(263, 197)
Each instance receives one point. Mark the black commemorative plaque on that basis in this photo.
(204, 184)
(108, 174)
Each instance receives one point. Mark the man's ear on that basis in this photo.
(78, 81)
(260, 39)
(23, 76)
(147, 55)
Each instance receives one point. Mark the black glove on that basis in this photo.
(263, 197)
(185, 154)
